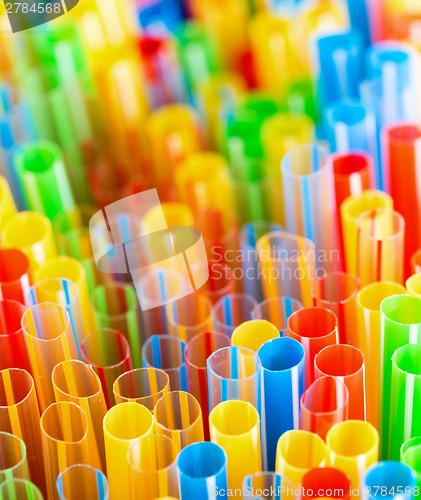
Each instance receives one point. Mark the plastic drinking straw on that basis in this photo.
(77, 382)
(338, 65)
(406, 387)
(324, 17)
(12, 458)
(7, 204)
(46, 187)
(242, 132)
(176, 214)
(173, 122)
(158, 284)
(49, 339)
(387, 59)
(220, 234)
(14, 274)
(413, 285)
(108, 352)
(152, 467)
(400, 144)
(68, 268)
(287, 266)
(350, 126)
(257, 197)
(393, 478)
(235, 373)
(196, 353)
(14, 353)
(19, 489)
(221, 282)
(64, 430)
(73, 239)
(108, 183)
(280, 133)
(307, 176)
(300, 97)
(234, 426)
(64, 293)
(178, 415)
(326, 482)
(416, 262)
(360, 16)
(82, 481)
(217, 97)
(189, 316)
(232, 310)
(277, 310)
(123, 425)
(346, 363)
(249, 235)
(400, 325)
(324, 404)
(380, 246)
(283, 374)
(272, 42)
(297, 452)
(410, 455)
(19, 415)
(227, 26)
(267, 485)
(197, 53)
(163, 79)
(202, 181)
(337, 292)
(32, 233)
(351, 208)
(202, 471)
(352, 446)
(253, 334)
(315, 328)
(115, 306)
(144, 386)
(166, 353)
(16, 128)
(353, 173)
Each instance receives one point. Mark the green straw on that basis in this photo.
(411, 455)
(405, 408)
(253, 193)
(300, 98)
(242, 137)
(45, 184)
(197, 53)
(400, 325)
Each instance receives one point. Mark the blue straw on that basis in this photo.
(284, 375)
(202, 472)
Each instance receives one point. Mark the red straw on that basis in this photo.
(325, 482)
(315, 328)
(14, 275)
(196, 353)
(400, 148)
(13, 348)
(324, 404)
(347, 363)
